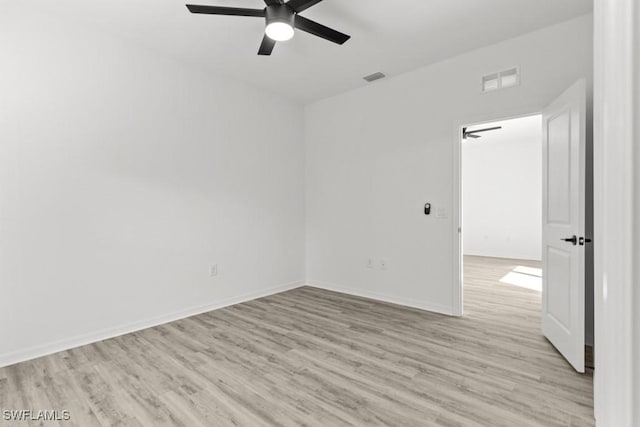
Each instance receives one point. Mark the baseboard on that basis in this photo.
(103, 334)
(501, 256)
(422, 305)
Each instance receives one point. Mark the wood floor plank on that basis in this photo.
(317, 358)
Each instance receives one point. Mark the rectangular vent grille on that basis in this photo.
(375, 76)
(501, 80)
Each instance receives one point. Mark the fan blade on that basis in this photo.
(300, 5)
(220, 10)
(267, 46)
(273, 2)
(485, 130)
(470, 135)
(319, 30)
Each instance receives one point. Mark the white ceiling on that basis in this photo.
(392, 36)
(523, 129)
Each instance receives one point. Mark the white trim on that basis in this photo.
(422, 305)
(84, 339)
(616, 198)
(457, 293)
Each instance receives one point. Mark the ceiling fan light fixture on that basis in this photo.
(280, 22)
(279, 31)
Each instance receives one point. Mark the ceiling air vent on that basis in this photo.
(375, 76)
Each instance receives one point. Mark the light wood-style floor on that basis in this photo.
(319, 358)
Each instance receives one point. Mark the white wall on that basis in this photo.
(502, 190)
(123, 176)
(377, 154)
(617, 213)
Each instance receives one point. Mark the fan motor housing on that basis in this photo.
(280, 13)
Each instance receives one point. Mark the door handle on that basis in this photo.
(583, 240)
(573, 240)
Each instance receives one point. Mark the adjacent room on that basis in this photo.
(319, 213)
(502, 199)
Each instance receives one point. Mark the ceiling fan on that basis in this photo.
(281, 19)
(472, 133)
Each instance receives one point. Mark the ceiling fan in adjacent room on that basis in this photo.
(281, 19)
(466, 134)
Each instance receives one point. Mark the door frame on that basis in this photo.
(456, 211)
(616, 209)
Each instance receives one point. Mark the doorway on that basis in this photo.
(501, 183)
(566, 317)
(501, 164)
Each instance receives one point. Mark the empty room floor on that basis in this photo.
(313, 357)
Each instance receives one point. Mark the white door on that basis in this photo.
(563, 223)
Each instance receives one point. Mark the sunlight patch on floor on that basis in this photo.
(524, 277)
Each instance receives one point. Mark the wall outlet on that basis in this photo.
(383, 264)
(370, 263)
(213, 270)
